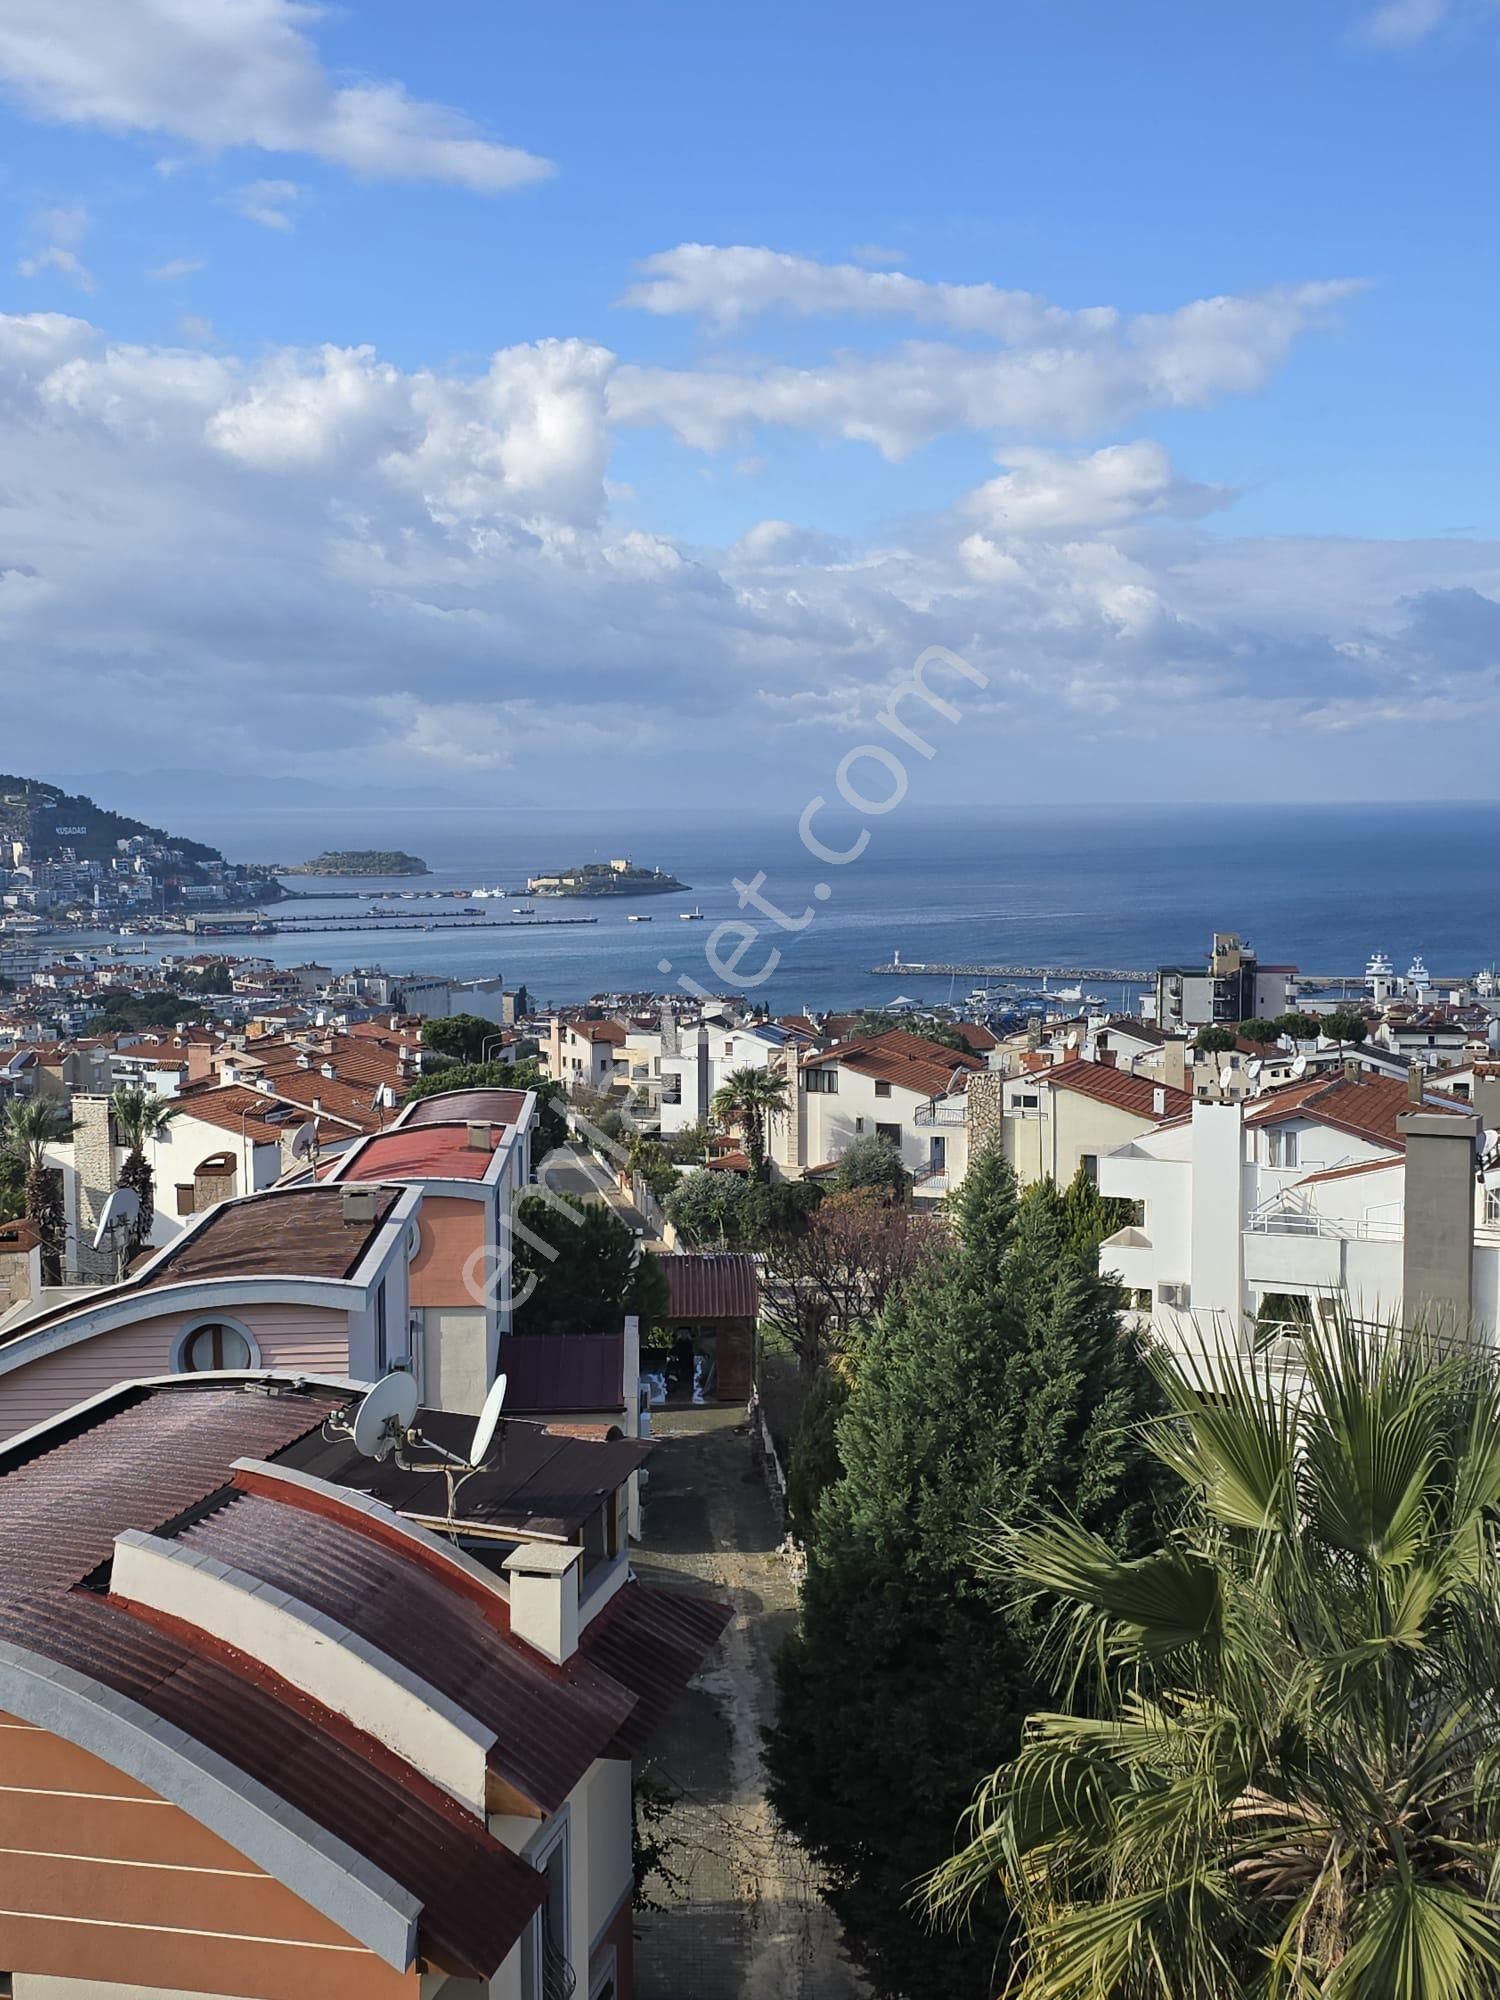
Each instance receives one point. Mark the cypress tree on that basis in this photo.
(998, 1386)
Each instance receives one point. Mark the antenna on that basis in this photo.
(381, 1423)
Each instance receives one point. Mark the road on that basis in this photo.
(573, 1172)
(743, 1920)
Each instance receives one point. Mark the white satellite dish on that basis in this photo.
(1073, 1039)
(1253, 1067)
(489, 1418)
(305, 1140)
(121, 1210)
(1299, 1067)
(385, 1415)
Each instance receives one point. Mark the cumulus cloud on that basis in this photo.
(1048, 492)
(270, 203)
(1183, 359)
(220, 74)
(316, 553)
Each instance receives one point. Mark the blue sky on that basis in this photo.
(370, 417)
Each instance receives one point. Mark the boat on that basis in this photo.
(489, 895)
(1069, 994)
(692, 916)
(522, 910)
(635, 917)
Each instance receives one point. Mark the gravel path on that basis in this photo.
(745, 1921)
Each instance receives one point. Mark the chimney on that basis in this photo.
(317, 1105)
(1110, 1058)
(479, 1139)
(1437, 1249)
(1159, 1101)
(357, 1204)
(544, 1598)
(1351, 1069)
(329, 1071)
(1414, 1084)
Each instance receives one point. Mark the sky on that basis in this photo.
(484, 403)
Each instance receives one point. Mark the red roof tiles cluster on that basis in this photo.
(898, 1057)
(1107, 1084)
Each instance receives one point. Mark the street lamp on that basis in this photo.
(485, 1045)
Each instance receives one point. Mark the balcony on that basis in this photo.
(939, 1111)
(930, 1182)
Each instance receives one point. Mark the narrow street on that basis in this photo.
(743, 1919)
(573, 1172)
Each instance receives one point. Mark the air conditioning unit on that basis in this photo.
(1172, 1295)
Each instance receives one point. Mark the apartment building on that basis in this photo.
(895, 1086)
(1364, 1191)
(279, 1723)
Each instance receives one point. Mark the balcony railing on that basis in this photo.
(1297, 1222)
(930, 1180)
(941, 1113)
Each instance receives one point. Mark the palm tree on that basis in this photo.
(1276, 1775)
(753, 1099)
(31, 1125)
(138, 1116)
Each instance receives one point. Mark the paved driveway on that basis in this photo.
(745, 1921)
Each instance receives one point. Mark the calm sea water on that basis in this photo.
(1321, 887)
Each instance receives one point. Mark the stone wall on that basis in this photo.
(985, 1100)
(94, 1163)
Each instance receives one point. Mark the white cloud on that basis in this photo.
(1183, 359)
(733, 283)
(1400, 22)
(877, 254)
(270, 203)
(1049, 492)
(175, 268)
(66, 263)
(220, 74)
(316, 555)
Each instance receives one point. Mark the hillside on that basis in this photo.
(50, 820)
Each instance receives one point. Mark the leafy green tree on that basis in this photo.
(646, 1158)
(595, 1277)
(703, 1209)
(1299, 1027)
(31, 1125)
(997, 1384)
(1257, 1029)
(874, 1163)
(1088, 1216)
(771, 1214)
(1214, 1041)
(1344, 1025)
(211, 979)
(689, 1145)
(139, 1116)
(551, 1113)
(460, 1036)
(1273, 1775)
(751, 1100)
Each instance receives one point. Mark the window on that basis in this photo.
(1090, 1164)
(825, 1081)
(1026, 1100)
(882, 1089)
(891, 1132)
(546, 1969)
(1281, 1148)
(1492, 1206)
(216, 1343)
(187, 1196)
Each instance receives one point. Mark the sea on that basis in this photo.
(1124, 887)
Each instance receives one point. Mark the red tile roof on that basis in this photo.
(1107, 1084)
(899, 1057)
(444, 1107)
(426, 1152)
(1359, 1167)
(597, 1031)
(1365, 1106)
(711, 1285)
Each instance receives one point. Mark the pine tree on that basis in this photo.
(997, 1387)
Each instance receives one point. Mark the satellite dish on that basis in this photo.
(1299, 1067)
(1073, 1039)
(385, 1415)
(304, 1140)
(1253, 1067)
(489, 1418)
(121, 1210)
